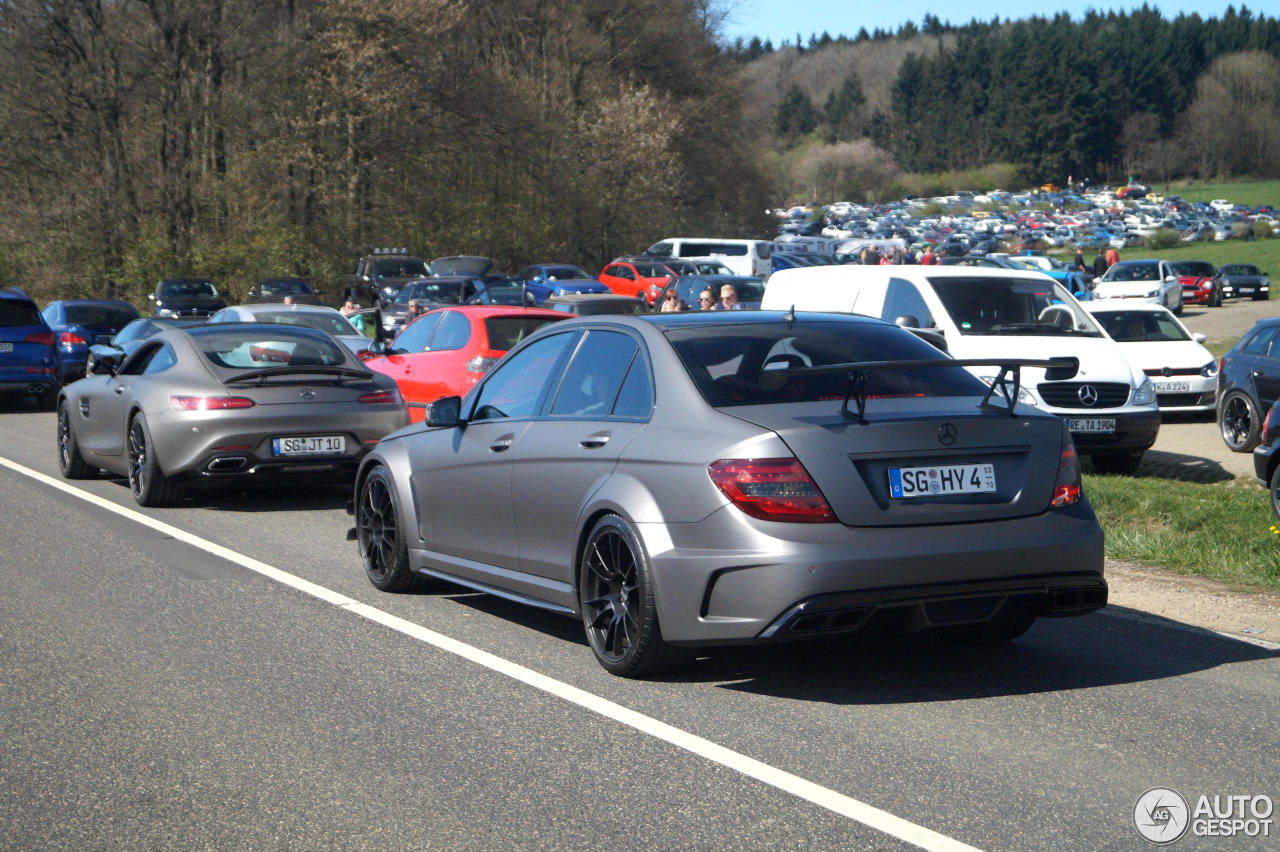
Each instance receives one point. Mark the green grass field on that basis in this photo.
(1251, 193)
(1223, 530)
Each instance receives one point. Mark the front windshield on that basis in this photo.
(283, 286)
(1141, 326)
(1239, 269)
(1133, 272)
(188, 289)
(439, 292)
(1026, 306)
(405, 268)
(566, 273)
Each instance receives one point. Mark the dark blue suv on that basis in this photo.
(28, 366)
(80, 323)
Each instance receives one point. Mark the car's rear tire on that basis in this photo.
(619, 613)
(384, 549)
(70, 462)
(1125, 463)
(147, 483)
(1005, 627)
(1239, 423)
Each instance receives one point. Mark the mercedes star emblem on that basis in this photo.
(947, 434)
(307, 393)
(1088, 395)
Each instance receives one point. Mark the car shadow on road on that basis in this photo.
(260, 497)
(1157, 464)
(1104, 649)
(1116, 646)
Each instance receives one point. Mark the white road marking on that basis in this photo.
(823, 797)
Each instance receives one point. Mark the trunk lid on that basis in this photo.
(851, 462)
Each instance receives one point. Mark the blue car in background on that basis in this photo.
(557, 279)
(80, 323)
(28, 365)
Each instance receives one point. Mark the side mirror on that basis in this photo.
(226, 294)
(446, 411)
(151, 297)
(906, 321)
(1199, 338)
(377, 347)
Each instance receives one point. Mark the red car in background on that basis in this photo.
(1199, 280)
(445, 352)
(641, 277)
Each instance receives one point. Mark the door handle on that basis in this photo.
(594, 442)
(502, 444)
(119, 389)
(1257, 374)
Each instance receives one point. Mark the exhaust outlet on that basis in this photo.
(226, 464)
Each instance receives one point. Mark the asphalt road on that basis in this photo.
(157, 695)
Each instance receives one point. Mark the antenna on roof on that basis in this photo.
(790, 317)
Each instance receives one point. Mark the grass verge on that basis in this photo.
(1220, 530)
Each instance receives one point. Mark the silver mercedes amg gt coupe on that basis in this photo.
(218, 403)
(687, 479)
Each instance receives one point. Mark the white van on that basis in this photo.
(744, 257)
(982, 312)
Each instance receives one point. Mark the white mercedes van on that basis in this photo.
(744, 257)
(981, 312)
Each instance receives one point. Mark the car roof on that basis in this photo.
(485, 311)
(1110, 306)
(264, 307)
(91, 302)
(591, 297)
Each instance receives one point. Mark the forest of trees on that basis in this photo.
(246, 138)
(1105, 96)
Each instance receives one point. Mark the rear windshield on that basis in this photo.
(324, 321)
(241, 349)
(99, 314)
(14, 313)
(282, 286)
(736, 364)
(505, 332)
(1012, 306)
(598, 307)
(401, 268)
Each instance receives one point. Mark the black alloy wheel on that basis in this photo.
(383, 547)
(618, 609)
(149, 485)
(70, 462)
(1239, 423)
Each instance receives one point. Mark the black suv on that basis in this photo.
(379, 277)
(187, 297)
(1249, 384)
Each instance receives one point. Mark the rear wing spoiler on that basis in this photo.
(1008, 382)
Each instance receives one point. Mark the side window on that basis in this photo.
(163, 359)
(624, 272)
(762, 250)
(660, 250)
(527, 274)
(415, 335)
(594, 375)
(635, 399)
(137, 363)
(454, 332)
(1258, 345)
(515, 388)
(49, 313)
(904, 300)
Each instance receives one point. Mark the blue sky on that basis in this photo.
(780, 20)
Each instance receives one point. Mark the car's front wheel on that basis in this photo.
(1239, 423)
(1275, 491)
(619, 614)
(147, 483)
(70, 462)
(380, 535)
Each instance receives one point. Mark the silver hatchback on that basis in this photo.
(681, 480)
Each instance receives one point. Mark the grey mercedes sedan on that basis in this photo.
(221, 403)
(691, 479)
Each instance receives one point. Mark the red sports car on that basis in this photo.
(445, 352)
(639, 277)
(1199, 280)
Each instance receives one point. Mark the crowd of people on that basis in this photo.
(727, 300)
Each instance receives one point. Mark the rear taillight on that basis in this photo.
(382, 397)
(1066, 489)
(1271, 426)
(69, 339)
(45, 337)
(772, 490)
(480, 364)
(209, 403)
